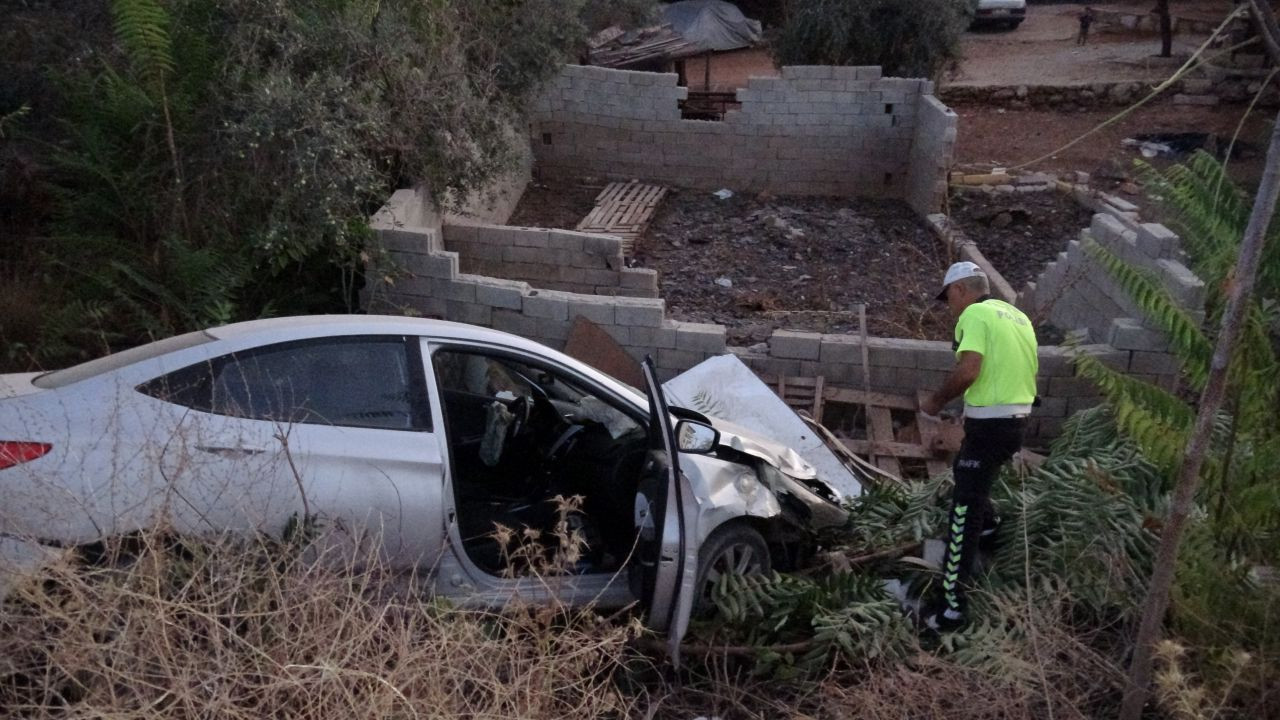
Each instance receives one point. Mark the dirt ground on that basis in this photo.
(1043, 51)
(1021, 232)
(990, 137)
(759, 264)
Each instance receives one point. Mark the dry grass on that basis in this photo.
(238, 629)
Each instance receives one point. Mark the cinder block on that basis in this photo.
(807, 72)
(460, 289)
(895, 352)
(524, 255)
(530, 237)
(442, 265)
(653, 337)
(639, 278)
(501, 293)
(795, 345)
(565, 240)
(1106, 230)
(841, 349)
(1069, 387)
(598, 310)
(467, 312)
(619, 333)
(1107, 355)
(1051, 407)
(1055, 361)
(678, 360)
(1186, 288)
(602, 245)
(1154, 363)
(1130, 334)
(1157, 241)
(515, 323)
(553, 331)
(700, 337)
(547, 304)
(639, 312)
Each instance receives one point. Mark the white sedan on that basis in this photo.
(419, 435)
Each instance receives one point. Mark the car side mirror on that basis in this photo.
(695, 437)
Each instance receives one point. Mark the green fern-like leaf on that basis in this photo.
(142, 27)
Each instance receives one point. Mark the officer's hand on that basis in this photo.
(930, 406)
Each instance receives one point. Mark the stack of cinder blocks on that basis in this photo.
(564, 260)
(1076, 293)
(431, 283)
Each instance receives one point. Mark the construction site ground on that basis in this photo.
(1019, 232)
(993, 137)
(756, 264)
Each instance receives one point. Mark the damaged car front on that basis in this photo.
(769, 485)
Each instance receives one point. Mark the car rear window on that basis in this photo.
(115, 361)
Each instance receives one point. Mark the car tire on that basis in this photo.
(732, 547)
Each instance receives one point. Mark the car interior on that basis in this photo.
(520, 435)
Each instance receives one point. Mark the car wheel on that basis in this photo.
(731, 548)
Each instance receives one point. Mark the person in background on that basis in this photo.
(1086, 19)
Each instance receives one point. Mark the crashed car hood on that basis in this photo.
(777, 455)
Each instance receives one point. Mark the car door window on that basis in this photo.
(354, 382)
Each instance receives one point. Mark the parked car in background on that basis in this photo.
(420, 433)
(1008, 13)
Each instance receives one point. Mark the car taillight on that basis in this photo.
(15, 453)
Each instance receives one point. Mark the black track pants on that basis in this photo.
(988, 444)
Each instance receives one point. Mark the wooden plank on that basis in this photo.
(817, 398)
(885, 449)
(859, 397)
(881, 431)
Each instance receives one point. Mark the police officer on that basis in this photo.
(996, 368)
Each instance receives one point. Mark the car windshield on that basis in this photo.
(115, 361)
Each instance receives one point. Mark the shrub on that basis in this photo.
(907, 38)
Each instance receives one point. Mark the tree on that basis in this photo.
(215, 160)
(907, 38)
(1234, 319)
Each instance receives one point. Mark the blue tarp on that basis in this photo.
(712, 24)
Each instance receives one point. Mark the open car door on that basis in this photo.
(667, 556)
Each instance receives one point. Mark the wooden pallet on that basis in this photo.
(922, 438)
(624, 209)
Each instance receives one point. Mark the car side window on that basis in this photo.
(477, 373)
(354, 382)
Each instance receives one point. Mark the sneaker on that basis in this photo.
(987, 540)
(944, 620)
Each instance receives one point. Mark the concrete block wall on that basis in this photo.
(432, 283)
(564, 260)
(816, 130)
(931, 153)
(904, 367)
(1077, 294)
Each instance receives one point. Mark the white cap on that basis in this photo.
(959, 271)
